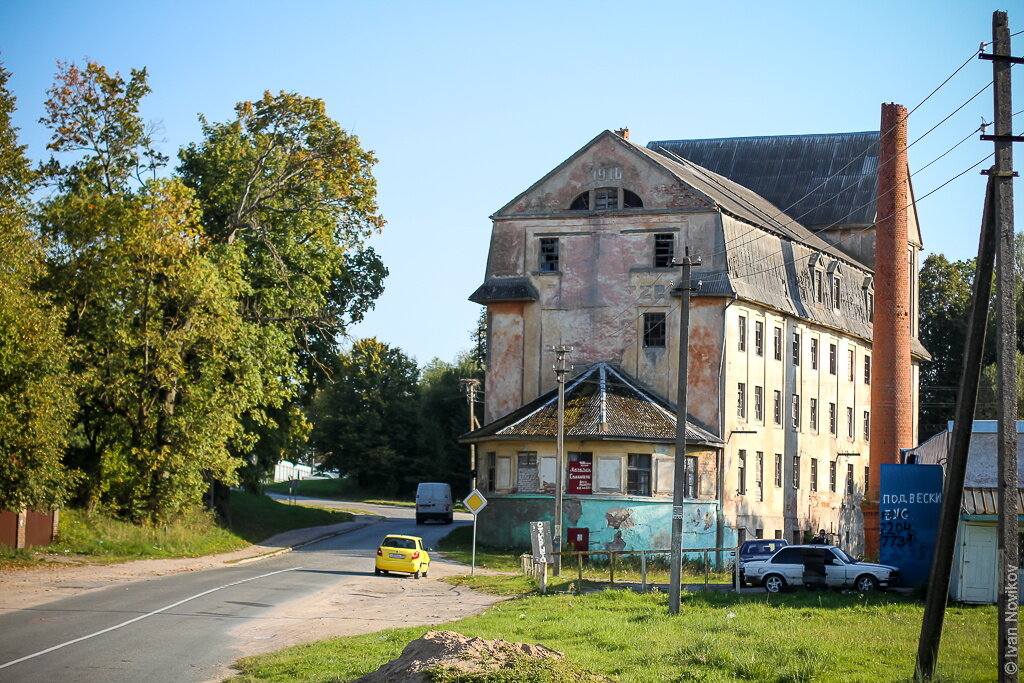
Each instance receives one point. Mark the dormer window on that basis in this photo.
(869, 298)
(605, 199)
(836, 276)
(817, 273)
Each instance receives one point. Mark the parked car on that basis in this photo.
(757, 549)
(434, 501)
(785, 569)
(402, 554)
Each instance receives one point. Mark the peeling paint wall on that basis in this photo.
(626, 523)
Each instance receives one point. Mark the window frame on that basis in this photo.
(650, 327)
(814, 474)
(741, 400)
(777, 409)
(795, 412)
(741, 473)
(796, 472)
(635, 474)
(796, 348)
(549, 255)
(777, 342)
(758, 403)
(664, 249)
(741, 339)
(814, 353)
(778, 470)
(759, 338)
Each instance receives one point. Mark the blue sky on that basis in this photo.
(466, 103)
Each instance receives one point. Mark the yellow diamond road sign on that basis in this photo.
(475, 501)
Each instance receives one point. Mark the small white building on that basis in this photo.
(286, 471)
(974, 578)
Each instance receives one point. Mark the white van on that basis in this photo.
(433, 501)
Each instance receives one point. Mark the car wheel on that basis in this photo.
(419, 520)
(451, 517)
(376, 572)
(773, 583)
(865, 583)
(416, 574)
(425, 571)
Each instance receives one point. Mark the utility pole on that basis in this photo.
(679, 474)
(1006, 338)
(470, 386)
(560, 372)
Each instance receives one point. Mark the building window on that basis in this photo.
(814, 474)
(759, 337)
(760, 478)
(849, 422)
(549, 254)
(819, 294)
(606, 198)
(850, 365)
(778, 470)
(833, 359)
(492, 460)
(690, 481)
(796, 471)
(835, 292)
(777, 408)
(867, 426)
(741, 342)
(638, 475)
(832, 418)
(814, 353)
(867, 369)
(741, 474)
(869, 303)
(778, 343)
(741, 398)
(759, 403)
(664, 249)
(796, 348)
(814, 414)
(795, 411)
(832, 476)
(849, 479)
(867, 477)
(527, 474)
(654, 330)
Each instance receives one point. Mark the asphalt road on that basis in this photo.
(177, 628)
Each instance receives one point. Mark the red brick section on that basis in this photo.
(891, 393)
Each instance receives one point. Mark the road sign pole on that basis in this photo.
(472, 566)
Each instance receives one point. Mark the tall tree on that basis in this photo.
(35, 389)
(366, 418)
(291, 195)
(164, 361)
(945, 298)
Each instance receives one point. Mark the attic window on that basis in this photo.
(604, 199)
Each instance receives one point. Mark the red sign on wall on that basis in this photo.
(581, 474)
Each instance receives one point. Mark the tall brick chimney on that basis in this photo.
(623, 133)
(891, 391)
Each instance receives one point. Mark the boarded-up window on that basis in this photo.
(664, 475)
(609, 473)
(527, 477)
(547, 472)
(504, 472)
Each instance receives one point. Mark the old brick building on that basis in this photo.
(780, 337)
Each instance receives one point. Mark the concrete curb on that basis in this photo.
(281, 551)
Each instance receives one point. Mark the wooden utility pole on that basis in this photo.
(679, 474)
(470, 386)
(1006, 345)
(560, 372)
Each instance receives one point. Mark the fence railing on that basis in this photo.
(530, 567)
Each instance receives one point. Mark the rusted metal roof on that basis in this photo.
(985, 501)
(504, 289)
(601, 403)
(820, 180)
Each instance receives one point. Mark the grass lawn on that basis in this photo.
(628, 636)
(93, 537)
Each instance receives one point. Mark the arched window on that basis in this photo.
(605, 199)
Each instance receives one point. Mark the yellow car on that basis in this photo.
(402, 554)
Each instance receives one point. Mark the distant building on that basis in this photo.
(780, 339)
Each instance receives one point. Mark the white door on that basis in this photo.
(978, 564)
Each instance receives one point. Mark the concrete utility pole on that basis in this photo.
(470, 386)
(679, 474)
(1006, 338)
(560, 372)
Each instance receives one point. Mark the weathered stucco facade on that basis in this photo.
(779, 341)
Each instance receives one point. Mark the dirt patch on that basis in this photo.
(456, 653)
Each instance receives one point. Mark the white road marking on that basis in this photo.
(143, 616)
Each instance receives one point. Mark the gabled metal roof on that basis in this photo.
(820, 180)
(601, 403)
(985, 501)
(504, 289)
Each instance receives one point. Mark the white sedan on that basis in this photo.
(789, 565)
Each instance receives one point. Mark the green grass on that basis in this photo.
(716, 637)
(458, 546)
(94, 537)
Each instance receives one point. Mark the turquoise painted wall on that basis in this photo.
(620, 523)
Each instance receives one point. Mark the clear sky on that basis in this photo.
(466, 104)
